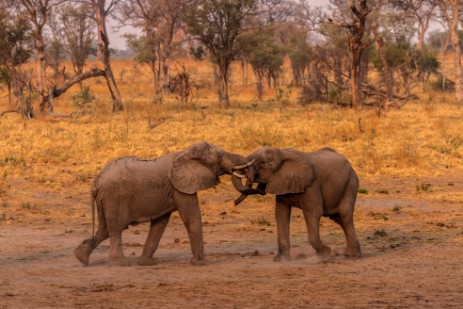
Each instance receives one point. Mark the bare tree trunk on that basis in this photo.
(388, 78)
(225, 98)
(40, 62)
(356, 47)
(453, 32)
(103, 55)
(259, 85)
(221, 75)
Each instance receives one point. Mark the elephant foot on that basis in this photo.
(122, 262)
(282, 257)
(200, 262)
(323, 252)
(353, 252)
(146, 261)
(82, 252)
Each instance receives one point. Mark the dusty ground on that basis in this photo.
(411, 231)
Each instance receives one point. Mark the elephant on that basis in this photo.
(320, 183)
(130, 190)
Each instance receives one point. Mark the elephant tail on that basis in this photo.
(93, 213)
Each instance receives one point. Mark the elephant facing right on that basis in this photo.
(320, 183)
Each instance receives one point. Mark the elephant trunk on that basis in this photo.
(230, 160)
(238, 183)
(235, 165)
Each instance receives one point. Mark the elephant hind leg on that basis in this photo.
(345, 219)
(312, 208)
(83, 251)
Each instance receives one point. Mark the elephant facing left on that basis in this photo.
(130, 190)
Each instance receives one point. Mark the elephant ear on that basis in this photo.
(190, 173)
(294, 176)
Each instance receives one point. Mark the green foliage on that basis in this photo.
(144, 48)
(73, 27)
(83, 98)
(15, 34)
(54, 54)
(397, 54)
(262, 51)
(218, 25)
(426, 61)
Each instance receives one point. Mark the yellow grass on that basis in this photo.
(423, 138)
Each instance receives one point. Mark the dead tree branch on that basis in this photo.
(56, 92)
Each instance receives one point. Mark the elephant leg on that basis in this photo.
(346, 220)
(188, 208)
(282, 217)
(313, 226)
(83, 251)
(312, 208)
(116, 255)
(154, 236)
(116, 221)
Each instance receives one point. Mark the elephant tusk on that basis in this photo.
(239, 175)
(240, 167)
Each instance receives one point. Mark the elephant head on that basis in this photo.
(199, 166)
(278, 171)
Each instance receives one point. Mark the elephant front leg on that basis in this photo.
(188, 208)
(282, 217)
(313, 226)
(154, 236)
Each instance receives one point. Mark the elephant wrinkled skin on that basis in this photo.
(130, 190)
(320, 183)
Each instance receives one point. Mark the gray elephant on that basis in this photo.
(321, 183)
(129, 191)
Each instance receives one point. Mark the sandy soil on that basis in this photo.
(411, 231)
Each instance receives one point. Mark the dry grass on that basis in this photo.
(423, 138)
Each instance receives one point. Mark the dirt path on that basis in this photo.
(412, 241)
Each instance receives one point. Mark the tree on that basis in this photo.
(219, 25)
(380, 48)
(294, 38)
(265, 55)
(72, 28)
(423, 11)
(451, 11)
(54, 55)
(160, 21)
(15, 49)
(355, 24)
(38, 13)
(145, 53)
(102, 9)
